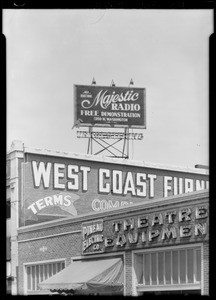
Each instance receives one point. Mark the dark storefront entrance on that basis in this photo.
(180, 292)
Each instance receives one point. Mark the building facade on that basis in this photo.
(153, 219)
(13, 200)
(163, 245)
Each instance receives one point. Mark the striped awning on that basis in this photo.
(94, 276)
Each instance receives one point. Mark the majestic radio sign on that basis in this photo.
(56, 187)
(104, 106)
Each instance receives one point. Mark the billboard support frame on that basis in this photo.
(124, 153)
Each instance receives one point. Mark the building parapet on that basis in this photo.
(118, 161)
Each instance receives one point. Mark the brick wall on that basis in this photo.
(45, 249)
(46, 231)
(63, 241)
(128, 271)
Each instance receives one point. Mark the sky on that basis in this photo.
(164, 51)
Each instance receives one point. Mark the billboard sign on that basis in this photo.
(110, 135)
(108, 106)
(56, 187)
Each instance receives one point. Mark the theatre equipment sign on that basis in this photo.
(106, 106)
(170, 226)
(65, 187)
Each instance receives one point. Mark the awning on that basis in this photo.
(96, 276)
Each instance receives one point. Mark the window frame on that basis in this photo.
(136, 288)
(8, 209)
(37, 263)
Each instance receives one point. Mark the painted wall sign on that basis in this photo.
(92, 237)
(56, 187)
(107, 106)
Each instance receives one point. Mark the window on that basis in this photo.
(8, 209)
(8, 248)
(8, 268)
(39, 272)
(170, 267)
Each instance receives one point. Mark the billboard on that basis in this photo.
(108, 106)
(57, 187)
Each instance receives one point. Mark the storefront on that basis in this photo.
(95, 225)
(159, 247)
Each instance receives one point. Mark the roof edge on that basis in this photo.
(121, 161)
